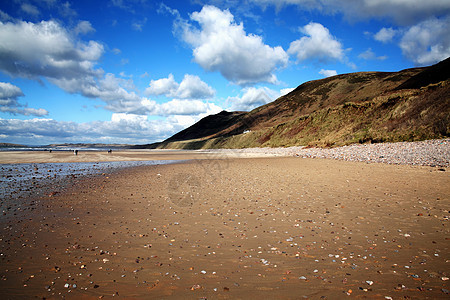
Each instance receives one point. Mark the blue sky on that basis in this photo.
(138, 71)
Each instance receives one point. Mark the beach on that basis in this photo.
(10, 157)
(222, 226)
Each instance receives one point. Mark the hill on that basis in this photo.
(408, 105)
(9, 145)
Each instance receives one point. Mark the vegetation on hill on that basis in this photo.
(362, 107)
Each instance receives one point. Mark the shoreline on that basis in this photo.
(281, 227)
(25, 173)
(30, 157)
(434, 153)
(25, 180)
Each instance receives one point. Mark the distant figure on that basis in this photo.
(109, 151)
(75, 152)
(50, 150)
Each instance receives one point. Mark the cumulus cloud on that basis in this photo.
(115, 93)
(401, 11)
(163, 86)
(9, 103)
(9, 91)
(252, 97)
(385, 35)
(220, 44)
(427, 42)
(191, 87)
(318, 44)
(46, 49)
(423, 25)
(84, 27)
(194, 88)
(187, 107)
(327, 73)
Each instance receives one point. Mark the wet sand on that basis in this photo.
(14, 157)
(283, 228)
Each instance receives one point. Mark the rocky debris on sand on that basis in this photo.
(435, 153)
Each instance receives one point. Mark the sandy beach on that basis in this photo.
(14, 157)
(231, 228)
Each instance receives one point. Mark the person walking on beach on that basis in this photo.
(75, 152)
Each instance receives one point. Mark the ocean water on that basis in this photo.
(31, 181)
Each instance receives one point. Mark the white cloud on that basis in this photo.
(223, 45)
(84, 27)
(427, 42)
(286, 91)
(114, 91)
(385, 35)
(328, 73)
(252, 97)
(191, 87)
(186, 107)
(9, 103)
(318, 44)
(370, 55)
(404, 12)
(163, 86)
(45, 49)
(26, 111)
(9, 91)
(184, 121)
(122, 128)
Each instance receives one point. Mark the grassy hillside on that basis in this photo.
(409, 105)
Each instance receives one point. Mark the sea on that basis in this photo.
(20, 183)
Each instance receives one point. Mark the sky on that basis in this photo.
(139, 71)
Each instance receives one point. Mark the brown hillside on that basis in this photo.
(409, 105)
